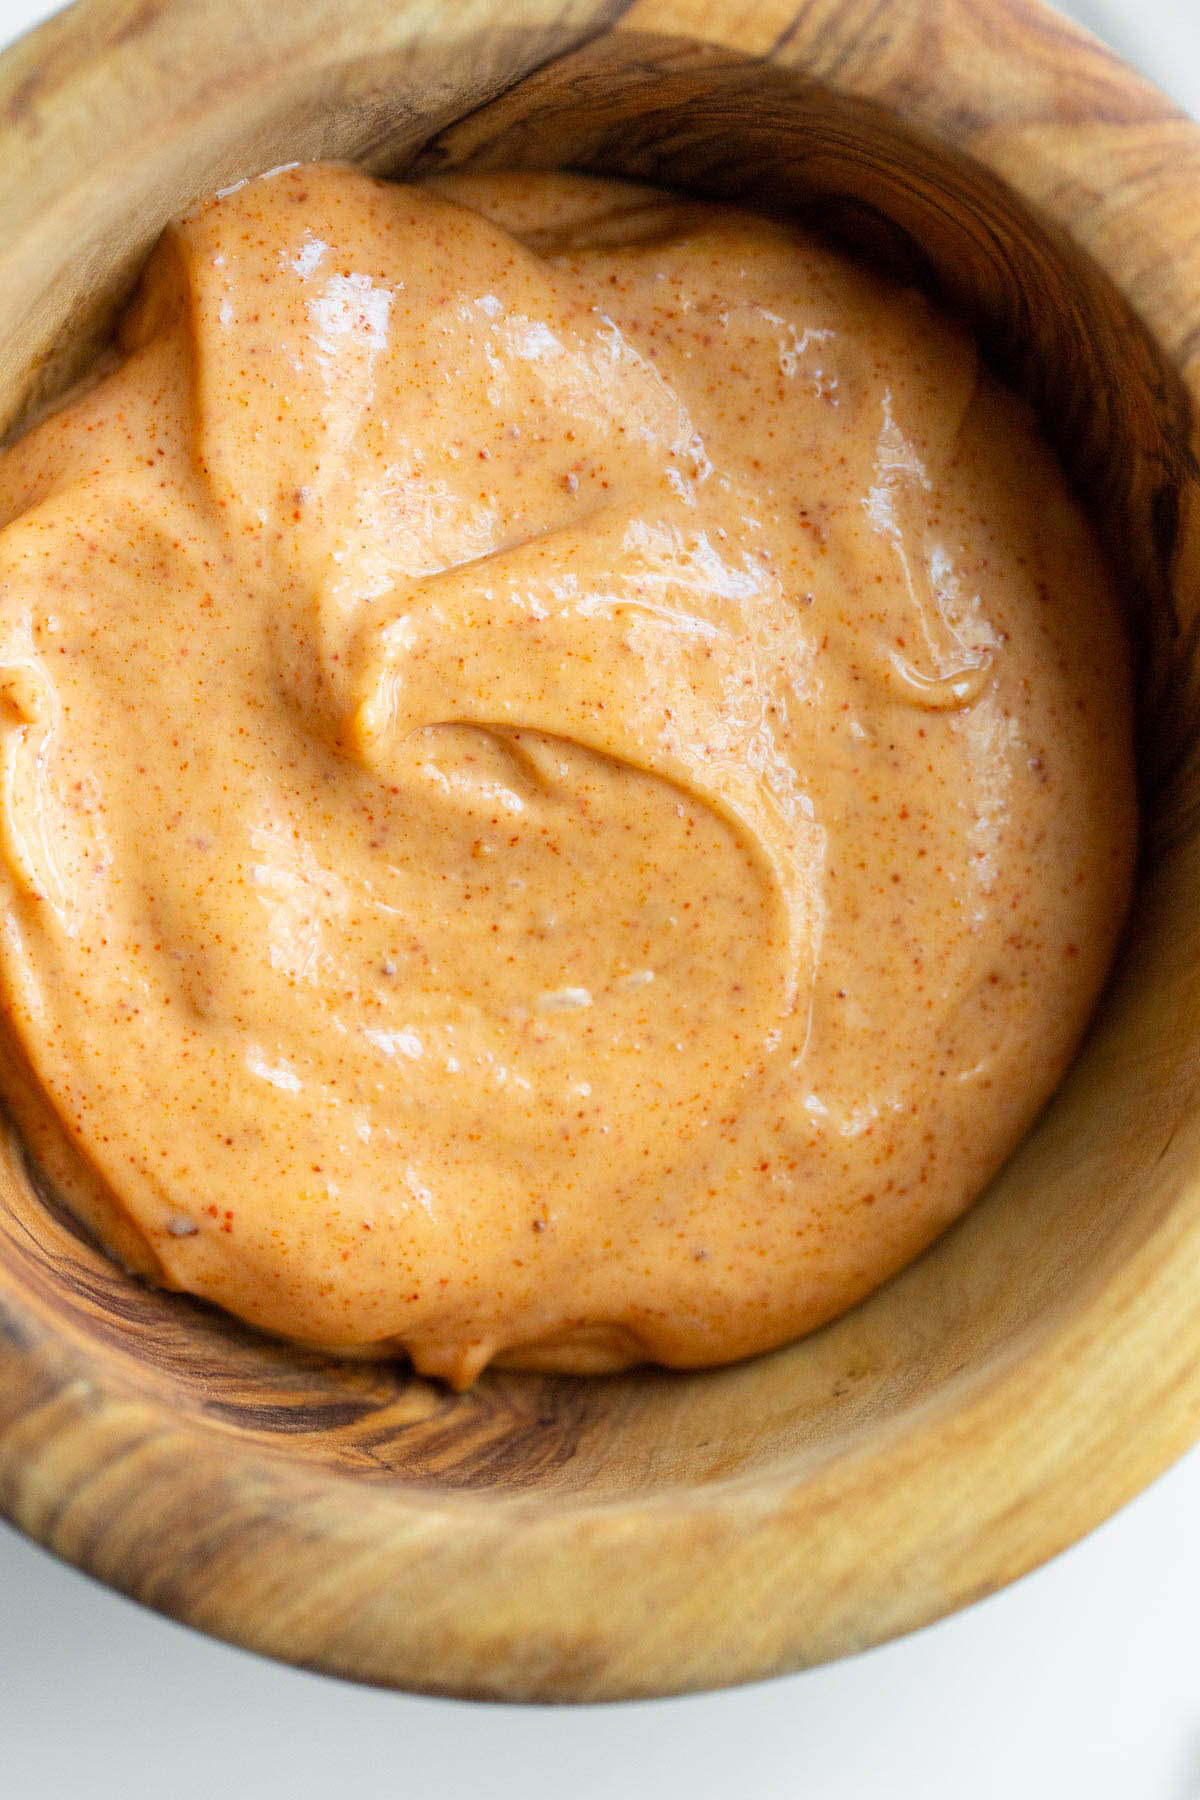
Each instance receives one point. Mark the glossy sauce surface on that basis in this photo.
(566, 780)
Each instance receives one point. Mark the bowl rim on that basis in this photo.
(593, 1599)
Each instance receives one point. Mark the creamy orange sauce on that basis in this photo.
(566, 778)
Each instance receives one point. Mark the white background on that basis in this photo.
(1081, 1681)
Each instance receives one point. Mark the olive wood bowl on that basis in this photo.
(554, 1538)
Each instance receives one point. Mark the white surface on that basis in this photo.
(1083, 1680)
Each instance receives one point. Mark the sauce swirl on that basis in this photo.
(565, 773)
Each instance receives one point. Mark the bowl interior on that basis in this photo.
(1105, 1163)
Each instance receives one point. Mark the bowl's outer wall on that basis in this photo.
(555, 1539)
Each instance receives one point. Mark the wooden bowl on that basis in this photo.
(544, 1538)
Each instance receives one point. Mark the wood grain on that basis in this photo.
(556, 1539)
